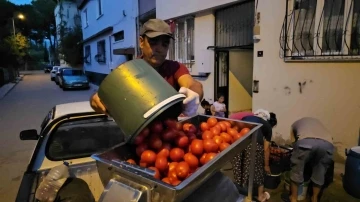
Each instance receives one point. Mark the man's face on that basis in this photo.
(154, 50)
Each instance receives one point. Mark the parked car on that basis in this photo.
(53, 73)
(56, 79)
(71, 132)
(48, 68)
(72, 78)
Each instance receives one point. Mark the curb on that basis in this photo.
(13, 84)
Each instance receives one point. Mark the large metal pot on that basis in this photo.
(135, 94)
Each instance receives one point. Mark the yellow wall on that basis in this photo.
(331, 93)
(240, 80)
(239, 98)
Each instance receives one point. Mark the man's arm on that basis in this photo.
(187, 81)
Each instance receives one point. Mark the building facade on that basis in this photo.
(109, 35)
(67, 16)
(305, 64)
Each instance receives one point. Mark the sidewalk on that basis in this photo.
(5, 89)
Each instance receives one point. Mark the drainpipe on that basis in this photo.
(137, 28)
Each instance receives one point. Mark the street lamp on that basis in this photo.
(21, 17)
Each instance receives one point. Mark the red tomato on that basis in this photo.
(169, 134)
(202, 159)
(141, 148)
(228, 124)
(236, 128)
(131, 161)
(161, 163)
(176, 154)
(222, 126)
(157, 172)
(188, 127)
(143, 164)
(145, 132)
(166, 180)
(182, 170)
(237, 136)
(232, 132)
(197, 147)
(166, 145)
(148, 157)
(218, 140)
(172, 175)
(226, 137)
(176, 182)
(204, 126)
(139, 139)
(155, 142)
(164, 152)
(191, 137)
(170, 123)
(210, 146)
(207, 135)
(215, 131)
(172, 166)
(223, 146)
(218, 127)
(244, 131)
(182, 141)
(156, 127)
(179, 126)
(212, 121)
(192, 160)
(209, 157)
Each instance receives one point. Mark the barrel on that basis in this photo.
(302, 188)
(135, 94)
(351, 179)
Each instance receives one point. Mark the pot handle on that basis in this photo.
(162, 104)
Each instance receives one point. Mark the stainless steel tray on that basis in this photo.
(116, 167)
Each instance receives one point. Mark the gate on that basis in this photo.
(233, 30)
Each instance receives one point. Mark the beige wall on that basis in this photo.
(331, 92)
(240, 80)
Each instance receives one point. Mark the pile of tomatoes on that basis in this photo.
(175, 150)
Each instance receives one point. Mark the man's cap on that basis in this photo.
(155, 27)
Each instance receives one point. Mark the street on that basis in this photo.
(25, 108)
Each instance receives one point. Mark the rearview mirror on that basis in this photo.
(29, 135)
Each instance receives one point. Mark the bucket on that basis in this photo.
(302, 188)
(135, 94)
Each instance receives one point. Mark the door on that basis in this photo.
(222, 77)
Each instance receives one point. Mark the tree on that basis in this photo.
(70, 46)
(18, 45)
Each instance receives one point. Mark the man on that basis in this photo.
(154, 40)
(314, 147)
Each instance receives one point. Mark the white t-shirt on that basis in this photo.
(219, 106)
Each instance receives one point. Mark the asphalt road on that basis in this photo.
(24, 108)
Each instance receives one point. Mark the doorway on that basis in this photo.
(222, 77)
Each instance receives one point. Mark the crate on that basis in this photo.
(279, 158)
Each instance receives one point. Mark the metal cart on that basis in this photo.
(126, 182)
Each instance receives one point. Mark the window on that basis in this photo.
(100, 57)
(82, 138)
(182, 48)
(119, 36)
(100, 9)
(71, 72)
(87, 57)
(321, 29)
(86, 23)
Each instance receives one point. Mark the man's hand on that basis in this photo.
(97, 105)
(191, 102)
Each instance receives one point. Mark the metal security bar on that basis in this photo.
(321, 30)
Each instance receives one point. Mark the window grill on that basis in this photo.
(321, 30)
